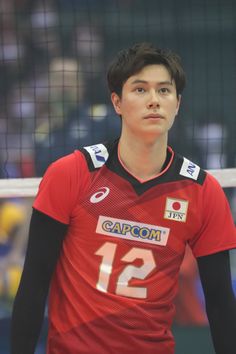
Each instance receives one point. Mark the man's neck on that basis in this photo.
(143, 160)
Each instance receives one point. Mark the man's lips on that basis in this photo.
(153, 116)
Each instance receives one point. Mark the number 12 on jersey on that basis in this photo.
(108, 253)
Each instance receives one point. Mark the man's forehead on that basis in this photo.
(152, 73)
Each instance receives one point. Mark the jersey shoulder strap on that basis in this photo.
(190, 170)
(97, 155)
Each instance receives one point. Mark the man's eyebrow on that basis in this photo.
(138, 81)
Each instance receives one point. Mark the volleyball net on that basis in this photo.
(28, 187)
(53, 93)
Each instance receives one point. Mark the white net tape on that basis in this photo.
(28, 187)
(19, 187)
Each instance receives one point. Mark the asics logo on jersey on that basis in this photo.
(101, 194)
(132, 230)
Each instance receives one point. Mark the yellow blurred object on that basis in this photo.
(9, 281)
(13, 280)
(11, 215)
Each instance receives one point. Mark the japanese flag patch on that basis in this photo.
(176, 209)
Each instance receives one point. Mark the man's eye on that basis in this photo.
(164, 90)
(139, 90)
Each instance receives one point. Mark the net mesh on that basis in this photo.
(53, 94)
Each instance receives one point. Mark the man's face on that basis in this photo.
(149, 103)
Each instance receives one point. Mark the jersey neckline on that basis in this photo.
(165, 167)
(113, 163)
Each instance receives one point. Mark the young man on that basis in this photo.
(110, 224)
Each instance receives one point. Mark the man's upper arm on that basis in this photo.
(220, 300)
(44, 245)
(215, 275)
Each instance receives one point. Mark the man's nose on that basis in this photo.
(153, 101)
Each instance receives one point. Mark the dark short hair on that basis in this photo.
(130, 61)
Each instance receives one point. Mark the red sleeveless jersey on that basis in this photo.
(114, 284)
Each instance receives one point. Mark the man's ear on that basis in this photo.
(178, 104)
(116, 101)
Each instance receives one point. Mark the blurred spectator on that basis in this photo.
(12, 47)
(70, 123)
(211, 140)
(89, 48)
(44, 24)
(18, 143)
